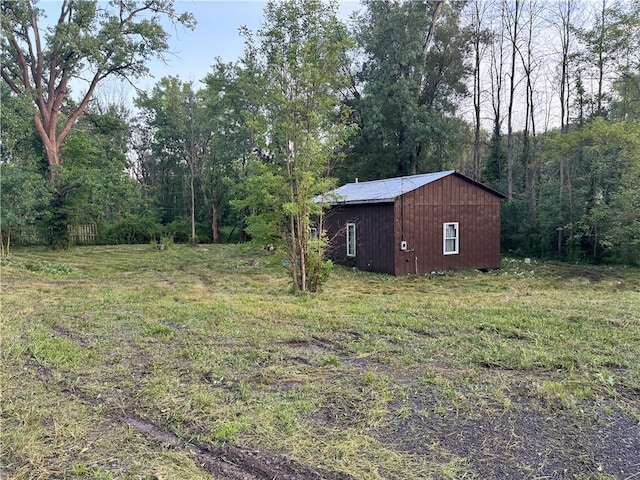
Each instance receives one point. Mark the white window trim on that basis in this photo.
(313, 233)
(348, 239)
(445, 238)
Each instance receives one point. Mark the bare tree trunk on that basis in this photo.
(529, 146)
(601, 61)
(513, 32)
(497, 78)
(565, 35)
(427, 42)
(215, 233)
(193, 201)
(477, 41)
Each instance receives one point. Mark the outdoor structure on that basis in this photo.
(415, 224)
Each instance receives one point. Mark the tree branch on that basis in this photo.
(22, 63)
(9, 79)
(36, 35)
(427, 43)
(80, 109)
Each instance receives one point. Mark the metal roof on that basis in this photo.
(378, 191)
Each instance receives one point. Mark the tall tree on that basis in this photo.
(495, 162)
(530, 65)
(230, 104)
(565, 28)
(86, 41)
(481, 40)
(603, 42)
(24, 192)
(302, 46)
(415, 63)
(89, 41)
(181, 131)
(513, 25)
(95, 155)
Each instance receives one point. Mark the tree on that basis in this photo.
(181, 131)
(411, 80)
(564, 23)
(481, 39)
(162, 177)
(85, 42)
(229, 98)
(530, 65)
(23, 189)
(626, 99)
(23, 194)
(96, 161)
(608, 47)
(496, 159)
(606, 161)
(302, 45)
(613, 153)
(89, 41)
(513, 26)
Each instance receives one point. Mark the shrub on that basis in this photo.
(179, 229)
(132, 229)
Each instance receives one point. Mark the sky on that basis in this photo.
(192, 53)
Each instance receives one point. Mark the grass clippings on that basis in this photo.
(197, 362)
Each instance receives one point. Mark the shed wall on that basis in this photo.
(374, 235)
(419, 219)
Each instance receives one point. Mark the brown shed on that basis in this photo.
(415, 224)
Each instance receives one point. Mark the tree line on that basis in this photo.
(538, 100)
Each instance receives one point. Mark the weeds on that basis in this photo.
(206, 343)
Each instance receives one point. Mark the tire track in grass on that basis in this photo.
(229, 462)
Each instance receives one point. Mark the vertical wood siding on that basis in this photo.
(374, 235)
(419, 218)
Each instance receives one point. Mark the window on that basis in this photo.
(451, 238)
(351, 239)
(313, 233)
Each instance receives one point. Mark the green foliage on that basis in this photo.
(318, 268)
(626, 104)
(85, 42)
(406, 109)
(16, 132)
(265, 189)
(611, 44)
(179, 230)
(182, 134)
(302, 47)
(95, 163)
(592, 214)
(133, 229)
(24, 197)
(48, 267)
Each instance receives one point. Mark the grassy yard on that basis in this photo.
(197, 362)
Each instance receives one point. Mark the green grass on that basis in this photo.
(208, 344)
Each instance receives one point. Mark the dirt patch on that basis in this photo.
(73, 337)
(594, 275)
(522, 442)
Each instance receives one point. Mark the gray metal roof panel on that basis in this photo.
(379, 191)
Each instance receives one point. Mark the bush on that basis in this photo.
(229, 235)
(132, 229)
(179, 229)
